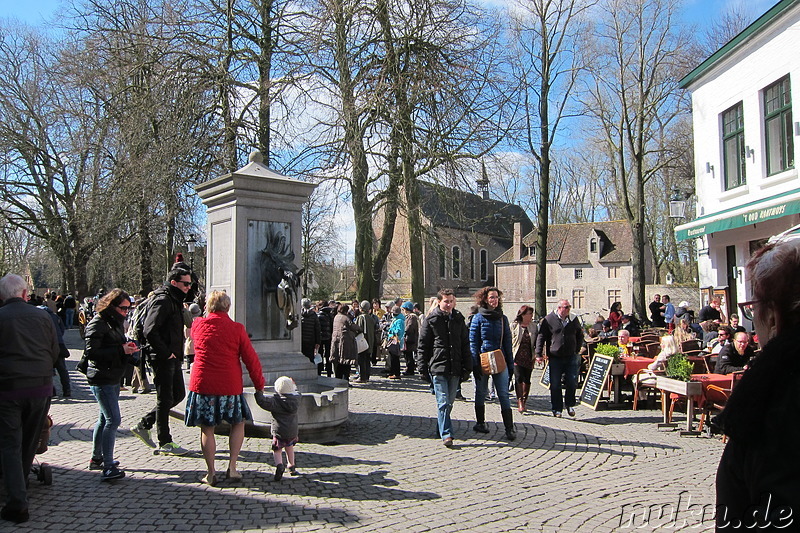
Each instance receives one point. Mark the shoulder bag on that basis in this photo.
(494, 362)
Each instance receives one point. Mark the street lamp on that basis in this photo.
(190, 246)
(677, 204)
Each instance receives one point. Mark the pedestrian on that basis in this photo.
(28, 353)
(559, 341)
(366, 321)
(523, 345)
(758, 479)
(188, 343)
(108, 352)
(657, 312)
(325, 330)
(490, 331)
(444, 358)
(163, 329)
(343, 342)
(70, 304)
(216, 392)
(395, 336)
(283, 406)
(411, 327)
(310, 331)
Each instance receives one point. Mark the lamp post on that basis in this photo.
(677, 204)
(190, 246)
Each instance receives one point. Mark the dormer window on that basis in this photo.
(593, 245)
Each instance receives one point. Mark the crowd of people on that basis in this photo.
(440, 345)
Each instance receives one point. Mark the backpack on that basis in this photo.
(136, 327)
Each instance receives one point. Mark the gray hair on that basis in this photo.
(12, 286)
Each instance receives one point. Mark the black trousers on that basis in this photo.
(170, 391)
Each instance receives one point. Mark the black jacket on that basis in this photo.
(443, 348)
(325, 324)
(557, 340)
(762, 419)
(729, 359)
(28, 347)
(104, 339)
(309, 332)
(163, 326)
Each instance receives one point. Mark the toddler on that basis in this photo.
(283, 406)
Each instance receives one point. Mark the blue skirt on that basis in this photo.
(209, 410)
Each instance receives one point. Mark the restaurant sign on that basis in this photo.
(711, 224)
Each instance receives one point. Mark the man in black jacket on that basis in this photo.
(560, 339)
(28, 353)
(735, 356)
(310, 338)
(444, 357)
(163, 329)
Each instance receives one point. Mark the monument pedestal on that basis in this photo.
(254, 222)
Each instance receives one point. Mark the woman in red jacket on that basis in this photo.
(215, 386)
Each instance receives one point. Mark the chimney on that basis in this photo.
(517, 241)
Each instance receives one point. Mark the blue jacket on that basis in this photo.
(488, 333)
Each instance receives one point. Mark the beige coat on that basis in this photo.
(343, 340)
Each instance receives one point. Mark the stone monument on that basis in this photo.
(254, 218)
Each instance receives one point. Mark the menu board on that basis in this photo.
(544, 380)
(595, 380)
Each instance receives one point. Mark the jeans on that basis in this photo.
(20, 428)
(445, 387)
(63, 376)
(567, 367)
(170, 391)
(500, 384)
(105, 430)
(70, 315)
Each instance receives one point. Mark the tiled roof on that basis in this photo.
(569, 243)
(452, 208)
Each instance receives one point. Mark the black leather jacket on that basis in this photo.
(104, 339)
(163, 326)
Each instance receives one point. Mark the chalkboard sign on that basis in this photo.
(595, 380)
(544, 381)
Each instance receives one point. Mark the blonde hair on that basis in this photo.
(669, 345)
(218, 302)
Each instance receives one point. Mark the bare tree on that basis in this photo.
(634, 97)
(547, 35)
(320, 231)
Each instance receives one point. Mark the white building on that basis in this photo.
(745, 141)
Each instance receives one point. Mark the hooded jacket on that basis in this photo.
(163, 325)
(284, 413)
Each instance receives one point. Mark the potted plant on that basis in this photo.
(611, 350)
(678, 377)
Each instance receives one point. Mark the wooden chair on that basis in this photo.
(716, 399)
(648, 386)
(649, 337)
(653, 349)
(692, 344)
(700, 364)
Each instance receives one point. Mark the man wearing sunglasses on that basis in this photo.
(163, 329)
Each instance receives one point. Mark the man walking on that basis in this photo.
(163, 330)
(444, 357)
(28, 353)
(560, 338)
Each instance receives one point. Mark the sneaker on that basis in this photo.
(144, 435)
(171, 448)
(112, 473)
(571, 411)
(557, 414)
(97, 464)
(279, 469)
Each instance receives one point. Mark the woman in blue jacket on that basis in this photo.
(489, 331)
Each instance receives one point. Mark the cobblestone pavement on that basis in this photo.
(388, 471)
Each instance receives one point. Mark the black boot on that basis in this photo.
(508, 422)
(480, 417)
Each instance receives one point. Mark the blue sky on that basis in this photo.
(700, 12)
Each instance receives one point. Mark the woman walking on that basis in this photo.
(216, 390)
(523, 341)
(344, 352)
(108, 352)
(490, 331)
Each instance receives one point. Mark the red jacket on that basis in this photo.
(219, 345)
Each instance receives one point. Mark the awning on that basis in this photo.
(750, 213)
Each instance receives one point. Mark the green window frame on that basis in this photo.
(733, 148)
(778, 126)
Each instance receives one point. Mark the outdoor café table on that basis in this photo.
(635, 363)
(632, 365)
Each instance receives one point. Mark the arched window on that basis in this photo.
(456, 262)
(442, 260)
(472, 263)
(484, 265)
(593, 245)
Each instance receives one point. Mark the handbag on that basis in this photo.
(83, 364)
(361, 343)
(493, 362)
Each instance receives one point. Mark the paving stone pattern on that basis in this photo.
(603, 471)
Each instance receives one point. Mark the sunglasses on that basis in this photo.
(748, 309)
(186, 283)
(123, 307)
